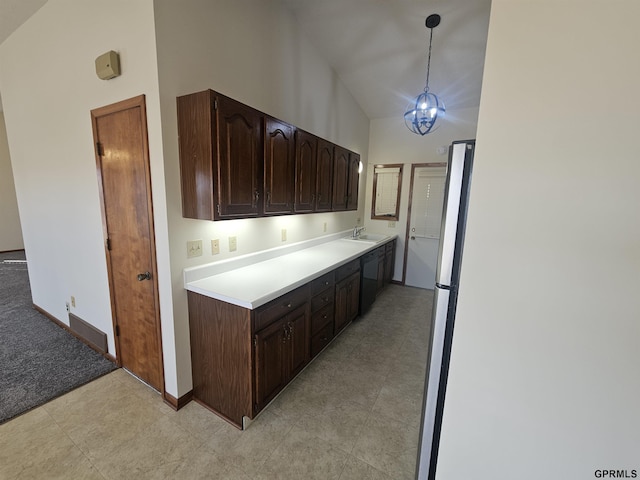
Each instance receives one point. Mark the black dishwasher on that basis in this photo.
(369, 280)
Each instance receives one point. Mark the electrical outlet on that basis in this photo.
(194, 248)
(233, 244)
(215, 247)
(284, 234)
(68, 309)
(324, 227)
(392, 225)
(358, 221)
(73, 301)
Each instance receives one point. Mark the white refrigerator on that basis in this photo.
(444, 303)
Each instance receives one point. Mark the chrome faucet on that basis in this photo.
(356, 231)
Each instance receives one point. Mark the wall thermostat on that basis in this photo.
(108, 65)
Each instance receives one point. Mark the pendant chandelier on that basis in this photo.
(421, 114)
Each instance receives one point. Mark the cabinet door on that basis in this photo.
(347, 300)
(298, 337)
(353, 180)
(306, 158)
(389, 261)
(271, 362)
(278, 167)
(353, 296)
(239, 172)
(340, 316)
(340, 179)
(324, 176)
(381, 264)
(196, 156)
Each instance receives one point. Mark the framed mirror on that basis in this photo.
(387, 180)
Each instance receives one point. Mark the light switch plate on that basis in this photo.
(215, 247)
(194, 248)
(233, 244)
(284, 234)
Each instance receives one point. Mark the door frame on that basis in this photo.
(134, 102)
(408, 226)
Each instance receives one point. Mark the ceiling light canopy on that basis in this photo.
(421, 115)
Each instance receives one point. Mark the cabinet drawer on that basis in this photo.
(321, 339)
(389, 247)
(279, 307)
(346, 270)
(322, 299)
(319, 284)
(321, 318)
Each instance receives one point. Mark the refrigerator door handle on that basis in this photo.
(451, 210)
(432, 384)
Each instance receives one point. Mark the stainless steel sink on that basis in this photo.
(367, 238)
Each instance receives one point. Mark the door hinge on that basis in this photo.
(100, 149)
(215, 104)
(255, 341)
(117, 330)
(109, 244)
(218, 208)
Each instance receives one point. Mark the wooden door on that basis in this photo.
(353, 180)
(305, 188)
(340, 179)
(278, 167)
(122, 156)
(239, 159)
(271, 368)
(324, 176)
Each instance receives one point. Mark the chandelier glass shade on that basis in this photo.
(421, 114)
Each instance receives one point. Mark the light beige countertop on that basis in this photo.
(253, 280)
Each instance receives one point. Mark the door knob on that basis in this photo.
(144, 276)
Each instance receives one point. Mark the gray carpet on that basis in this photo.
(39, 361)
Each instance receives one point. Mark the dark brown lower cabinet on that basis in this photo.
(281, 352)
(347, 300)
(389, 261)
(242, 358)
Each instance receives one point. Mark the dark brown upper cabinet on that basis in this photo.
(353, 180)
(196, 124)
(220, 142)
(237, 162)
(279, 168)
(324, 175)
(340, 179)
(306, 161)
(239, 173)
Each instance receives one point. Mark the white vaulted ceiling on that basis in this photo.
(377, 47)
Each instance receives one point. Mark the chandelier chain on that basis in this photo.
(426, 86)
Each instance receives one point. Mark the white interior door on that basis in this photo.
(425, 217)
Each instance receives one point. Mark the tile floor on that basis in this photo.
(353, 413)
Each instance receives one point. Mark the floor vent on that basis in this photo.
(89, 333)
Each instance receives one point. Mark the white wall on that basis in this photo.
(544, 374)
(10, 232)
(250, 50)
(49, 86)
(391, 142)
